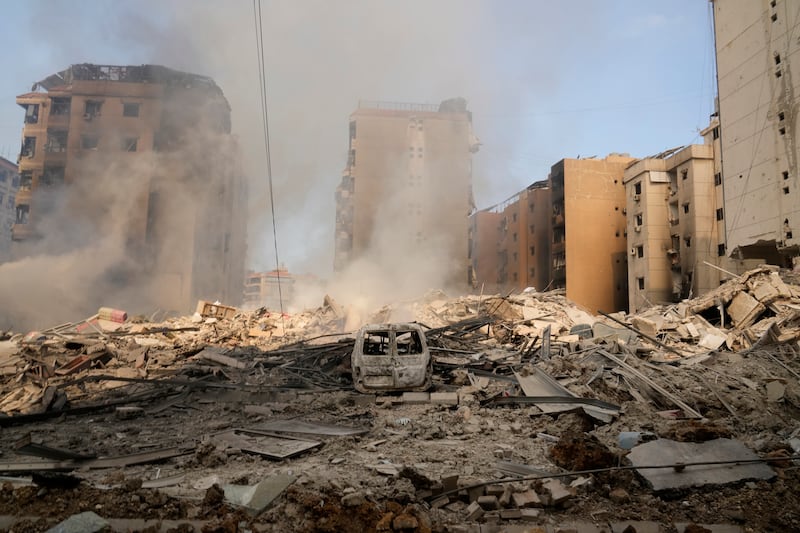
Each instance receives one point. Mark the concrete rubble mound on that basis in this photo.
(542, 417)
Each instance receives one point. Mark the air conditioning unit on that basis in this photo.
(637, 228)
(633, 251)
(87, 116)
(636, 197)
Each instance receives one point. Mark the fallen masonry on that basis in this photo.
(541, 417)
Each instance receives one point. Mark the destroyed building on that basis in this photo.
(273, 289)
(9, 183)
(756, 53)
(145, 152)
(510, 242)
(408, 182)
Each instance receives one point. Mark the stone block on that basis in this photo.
(526, 499)
(488, 503)
(444, 398)
(412, 398)
(474, 511)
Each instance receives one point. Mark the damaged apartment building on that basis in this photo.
(757, 52)
(409, 163)
(564, 233)
(140, 154)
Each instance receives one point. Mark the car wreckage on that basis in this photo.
(391, 357)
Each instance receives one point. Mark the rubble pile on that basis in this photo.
(542, 417)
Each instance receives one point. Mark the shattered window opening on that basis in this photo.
(130, 110)
(26, 180)
(28, 147)
(56, 141)
(52, 176)
(89, 142)
(22, 213)
(92, 108)
(130, 144)
(376, 343)
(31, 113)
(60, 106)
(408, 343)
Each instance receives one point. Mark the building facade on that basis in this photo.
(141, 156)
(588, 247)
(407, 185)
(510, 242)
(675, 226)
(273, 289)
(9, 183)
(757, 52)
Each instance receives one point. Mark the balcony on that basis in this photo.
(558, 220)
(558, 247)
(20, 232)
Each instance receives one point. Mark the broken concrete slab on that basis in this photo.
(668, 452)
(412, 398)
(744, 310)
(256, 498)
(528, 498)
(313, 428)
(444, 398)
(87, 522)
(714, 528)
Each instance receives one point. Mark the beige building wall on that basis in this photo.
(408, 179)
(757, 56)
(648, 230)
(589, 247)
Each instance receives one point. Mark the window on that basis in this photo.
(25, 180)
(715, 133)
(777, 59)
(688, 241)
(684, 173)
(92, 108)
(782, 130)
(532, 273)
(514, 255)
(774, 17)
(52, 176)
(778, 73)
(28, 147)
(60, 106)
(686, 207)
(721, 249)
(3, 176)
(408, 342)
(56, 141)
(130, 144)
(533, 250)
(640, 251)
(785, 174)
(89, 142)
(530, 208)
(515, 276)
(130, 110)
(786, 190)
(352, 161)
(637, 220)
(719, 214)
(718, 178)
(353, 130)
(640, 283)
(514, 237)
(31, 113)
(781, 116)
(1, 198)
(531, 228)
(22, 214)
(10, 202)
(637, 188)
(513, 217)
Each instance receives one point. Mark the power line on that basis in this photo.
(262, 81)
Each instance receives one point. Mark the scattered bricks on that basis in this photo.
(619, 495)
(440, 502)
(491, 517)
(556, 493)
(530, 515)
(510, 514)
(488, 503)
(505, 498)
(495, 490)
(526, 499)
(128, 412)
(449, 482)
(444, 398)
(405, 522)
(475, 492)
(474, 511)
(416, 397)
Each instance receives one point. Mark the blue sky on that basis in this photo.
(544, 80)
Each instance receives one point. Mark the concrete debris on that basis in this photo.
(525, 391)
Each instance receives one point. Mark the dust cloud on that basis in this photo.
(321, 59)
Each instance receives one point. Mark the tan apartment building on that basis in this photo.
(588, 247)
(510, 243)
(757, 52)
(144, 155)
(273, 289)
(407, 185)
(674, 226)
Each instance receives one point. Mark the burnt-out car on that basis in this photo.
(391, 357)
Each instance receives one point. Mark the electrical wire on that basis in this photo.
(262, 81)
